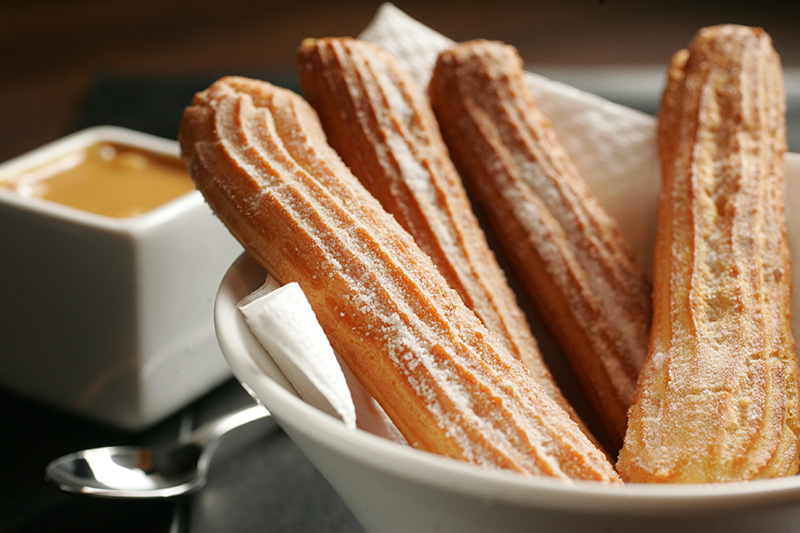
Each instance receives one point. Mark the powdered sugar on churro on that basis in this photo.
(440, 376)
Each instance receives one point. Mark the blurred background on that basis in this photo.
(73, 63)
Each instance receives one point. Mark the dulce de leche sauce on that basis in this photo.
(108, 179)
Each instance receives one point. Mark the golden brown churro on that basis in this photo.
(259, 155)
(718, 396)
(381, 124)
(569, 254)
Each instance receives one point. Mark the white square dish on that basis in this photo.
(109, 318)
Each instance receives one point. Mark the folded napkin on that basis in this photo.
(284, 323)
(282, 320)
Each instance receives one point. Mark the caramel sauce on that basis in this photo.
(108, 179)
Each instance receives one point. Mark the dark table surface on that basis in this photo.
(259, 480)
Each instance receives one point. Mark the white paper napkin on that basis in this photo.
(284, 323)
(282, 320)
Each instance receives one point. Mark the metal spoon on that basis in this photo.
(132, 472)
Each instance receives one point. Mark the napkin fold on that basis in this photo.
(284, 323)
(282, 320)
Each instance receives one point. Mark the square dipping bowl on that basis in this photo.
(110, 318)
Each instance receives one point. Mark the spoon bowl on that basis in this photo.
(143, 472)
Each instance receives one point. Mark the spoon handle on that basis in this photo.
(207, 434)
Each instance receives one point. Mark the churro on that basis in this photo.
(568, 252)
(718, 397)
(381, 124)
(259, 155)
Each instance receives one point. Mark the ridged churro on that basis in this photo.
(718, 397)
(570, 255)
(259, 155)
(381, 124)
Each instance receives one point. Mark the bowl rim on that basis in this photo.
(238, 346)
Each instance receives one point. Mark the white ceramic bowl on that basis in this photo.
(109, 318)
(390, 487)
